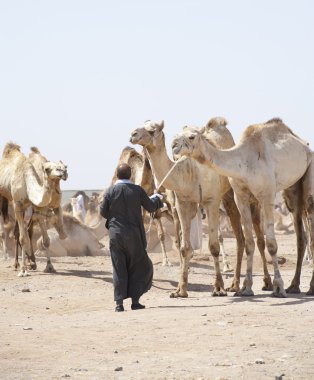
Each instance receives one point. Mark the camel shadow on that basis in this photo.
(95, 275)
(191, 287)
(207, 266)
(183, 306)
(297, 299)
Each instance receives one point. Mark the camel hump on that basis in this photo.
(218, 134)
(274, 120)
(34, 149)
(278, 121)
(216, 122)
(9, 148)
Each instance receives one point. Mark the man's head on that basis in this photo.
(124, 171)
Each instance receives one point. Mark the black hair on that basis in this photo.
(124, 171)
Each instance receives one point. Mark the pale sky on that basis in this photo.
(76, 77)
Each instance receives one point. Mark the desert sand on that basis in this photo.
(63, 325)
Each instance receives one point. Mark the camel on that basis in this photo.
(20, 184)
(80, 240)
(256, 166)
(142, 175)
(94, 220)
(193, 185)
(56, 172)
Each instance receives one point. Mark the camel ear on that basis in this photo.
(161, 125)
(202, 130)
(47, 167)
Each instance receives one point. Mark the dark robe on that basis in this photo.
(132, 268)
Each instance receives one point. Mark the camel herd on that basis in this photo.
(208, 171)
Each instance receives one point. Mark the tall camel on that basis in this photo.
(20, 184)
(256, 166)
(193, 185)
(142, 175)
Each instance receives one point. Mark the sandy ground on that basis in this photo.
(66, 327)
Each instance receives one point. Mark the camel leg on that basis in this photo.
(177, 228)
(23, 235)
(271, 243)
(293, 199)
(31, 259)
(310, 292)
(23, 272)
(309, 207)
(43, 229)
(257, 224)
(186, 212)
(235, 220)
(226, 264)
(16, 261)
(212, 211)
(242, 199)
(49, 267)
(161, 237)
(60, 226)
(3, 237)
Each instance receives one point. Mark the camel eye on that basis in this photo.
(191, 137)
(151, 132)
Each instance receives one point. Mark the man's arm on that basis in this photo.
(150, 204)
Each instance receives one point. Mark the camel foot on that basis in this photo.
(244, 293)
(166, 263)
(233, 289)
(16, 266)
(49, 269)
(23, 273)
(178, 294)
(219, 293)
(293, 289)
(268, 286)
(62, 235)
(32, 266)
(310, 292)
(278, 293)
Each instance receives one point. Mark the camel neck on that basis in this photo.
(225, 162)
(161, 165)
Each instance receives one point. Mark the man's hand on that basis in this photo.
(157, 195)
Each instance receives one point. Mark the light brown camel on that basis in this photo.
(20, 183)
(217, 134)
(58, 171)
(256, 166)
(193, 185)
(80, 240)
(142, 175)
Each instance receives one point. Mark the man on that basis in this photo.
(132, 268)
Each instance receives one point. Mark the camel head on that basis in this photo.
(62, 168)
(149, 135)
(55, 170)
(186, 143)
